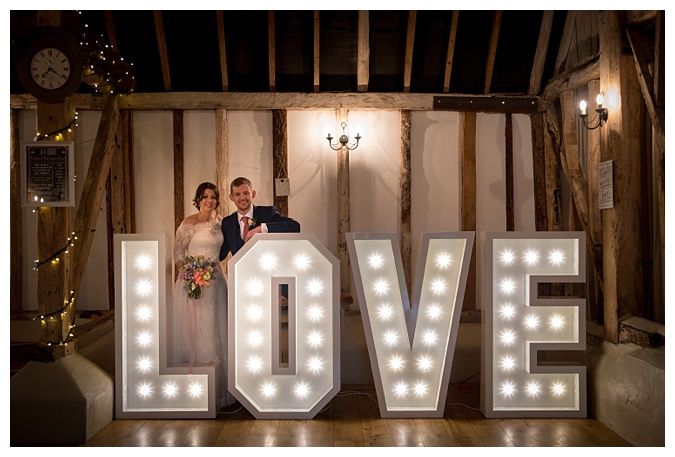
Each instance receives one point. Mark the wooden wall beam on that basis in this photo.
(55, 227)
(552, 173)
(585, 71)
(468, 198)
(280, 156)
(508, 171)
(539, 173)
(622, 141)
(178, 169)
(569, 158)
(127, 139)
(405, 187)
(644, 56)
(15, 231)
(594, 159)
(93, 189)
(343, 209)
(116, 217)
(222, 163)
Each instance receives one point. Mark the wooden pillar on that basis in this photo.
(178, 171)
(115, 205)
(343, 209)
(55, 227)
(127, 139)
(222, 176)
(623, 285)
(508, 165)
(468, 202)
(93, 189)
(539, 173)
(280, 155)
(552, 177)
(15, 232)
(406, 198)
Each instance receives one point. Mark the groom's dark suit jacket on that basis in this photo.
(276, 223)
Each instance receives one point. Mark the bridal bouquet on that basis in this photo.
(196, 272)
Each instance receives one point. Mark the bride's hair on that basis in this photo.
(200, 193)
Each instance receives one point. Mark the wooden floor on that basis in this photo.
(352, 419)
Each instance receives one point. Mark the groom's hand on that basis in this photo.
(252, 232)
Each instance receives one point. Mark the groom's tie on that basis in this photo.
(245, 231)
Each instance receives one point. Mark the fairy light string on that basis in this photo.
(58, 134)
(54, 258)
(60, 314)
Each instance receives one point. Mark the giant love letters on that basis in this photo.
(284, 339)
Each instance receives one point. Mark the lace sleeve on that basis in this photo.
(183, 237)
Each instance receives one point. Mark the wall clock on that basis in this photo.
(49, 64)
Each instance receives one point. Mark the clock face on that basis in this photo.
(50, 68)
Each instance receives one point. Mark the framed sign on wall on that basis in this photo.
(47, 174)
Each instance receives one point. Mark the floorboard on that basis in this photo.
(352, 419)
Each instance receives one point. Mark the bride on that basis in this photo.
(200, 325)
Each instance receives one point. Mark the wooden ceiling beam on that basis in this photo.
(271, 47)
(299, 101)
(409, 44)
(363, 56)
(540, 53)
(452, 39)
(317, 37)
(565, 43)
(492, 50)
(110, 28)
(223, 51)
(163, 52)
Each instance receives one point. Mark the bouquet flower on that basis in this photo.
(196, 272)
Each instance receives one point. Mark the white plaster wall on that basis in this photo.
(490, 184)
(436, 175)
(153, 180)
(199, 155)
(312, 172)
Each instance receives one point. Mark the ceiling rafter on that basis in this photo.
(452, 40)
(492, 50)
(409, 45)
(163, 51)
(222, 49)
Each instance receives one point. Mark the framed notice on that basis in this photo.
(605, 185)
(47, 174)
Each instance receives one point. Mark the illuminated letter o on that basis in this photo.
(269, 386)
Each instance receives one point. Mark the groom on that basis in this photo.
(248, 220)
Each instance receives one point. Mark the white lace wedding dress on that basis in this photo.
(200, 326)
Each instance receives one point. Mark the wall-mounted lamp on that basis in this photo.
(601, 116)
(343, 141)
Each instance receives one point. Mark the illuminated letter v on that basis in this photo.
(411, 345)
